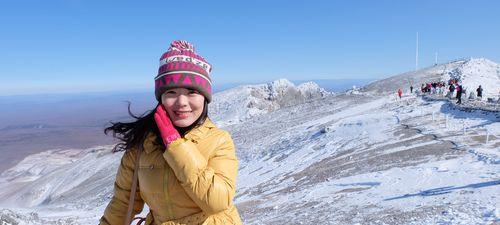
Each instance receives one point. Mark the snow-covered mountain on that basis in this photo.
(469, 72)
(78, 177)
(313, 159)
(238, 104)
(475, 72)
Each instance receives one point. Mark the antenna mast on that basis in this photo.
(416, 56)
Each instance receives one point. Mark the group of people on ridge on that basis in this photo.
(440, 87)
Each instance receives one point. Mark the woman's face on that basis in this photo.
(184, 106)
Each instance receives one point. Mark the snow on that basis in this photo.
(32, 167)
(470, 73)
(52, 176)
(446, 184)
(316, 158)
(241, 103)
(475, 72)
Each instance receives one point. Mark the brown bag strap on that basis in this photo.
(134, 187)
(140, 220)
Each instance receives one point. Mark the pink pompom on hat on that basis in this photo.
(181, 67)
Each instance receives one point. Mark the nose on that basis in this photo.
(182, 101)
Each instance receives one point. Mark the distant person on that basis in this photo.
(459, 90)
(479, 91)
(452, 90)
(400, 93)
(183, 166)
(411, 88)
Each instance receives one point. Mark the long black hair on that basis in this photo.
(132, 134)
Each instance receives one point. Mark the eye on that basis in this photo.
(169, 94)
(192, 92)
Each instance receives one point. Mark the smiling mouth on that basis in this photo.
(182, 114)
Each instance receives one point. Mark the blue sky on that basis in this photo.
(78, 45)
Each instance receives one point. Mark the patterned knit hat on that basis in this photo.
(180, 66)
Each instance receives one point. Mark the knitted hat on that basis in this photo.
(181, 67)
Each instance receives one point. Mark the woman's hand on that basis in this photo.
(168, 132)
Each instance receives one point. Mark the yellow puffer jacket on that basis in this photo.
(192, 182)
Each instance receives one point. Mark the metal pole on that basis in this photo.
(416, 56)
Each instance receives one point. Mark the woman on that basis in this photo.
(187, 166)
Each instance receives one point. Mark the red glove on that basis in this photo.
(167, 130)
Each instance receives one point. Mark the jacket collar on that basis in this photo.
(150, 144)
